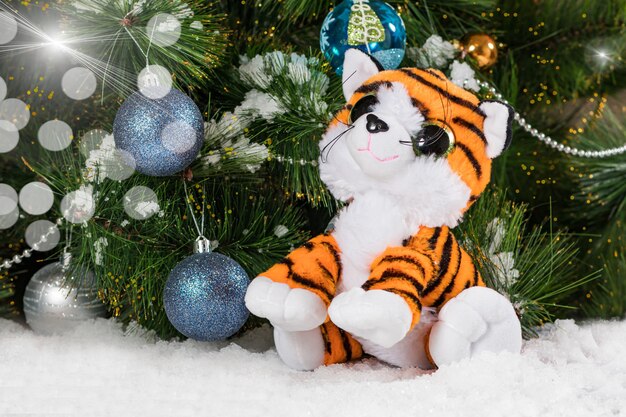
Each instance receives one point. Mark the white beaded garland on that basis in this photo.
(289, 160)
(542, 137)
(26, 253)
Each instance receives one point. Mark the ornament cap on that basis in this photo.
(66, 259)
(202, 245)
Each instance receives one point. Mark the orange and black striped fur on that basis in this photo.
(394, 235)
(429, 269)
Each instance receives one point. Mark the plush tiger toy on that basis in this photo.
(410, 152)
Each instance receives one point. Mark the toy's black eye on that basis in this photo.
(363, 106)
(435, 138)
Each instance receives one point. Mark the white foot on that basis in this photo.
(410, 351)
(291, 309)
(478, 319)
(302, 351)
(379, 316)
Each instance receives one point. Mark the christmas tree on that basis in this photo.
(87, 85)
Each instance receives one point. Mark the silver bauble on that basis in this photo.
(52, 306)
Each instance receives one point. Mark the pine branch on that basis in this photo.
(607, 299)
(536, 269)
(601, 182)
(449, 19)
(132, 258)
(124, 41)
(6, 292)
(289, 100)
(556, 44)
(297, 11)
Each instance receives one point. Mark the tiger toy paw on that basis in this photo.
(291, 309)
(379, 316)
(303, 351)
(478, 319)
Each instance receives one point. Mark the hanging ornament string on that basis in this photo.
(145, 54)
(148, 123)
(204, 296)
(125, 22)
(202, 243)
(66, 257)
(56, 298)
(542, 137)
(149, 79)
(26, 253)
(149, 46)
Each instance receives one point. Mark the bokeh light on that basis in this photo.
(8, 199)
(9, 136)
(8, 220)
(104, 159)
(42, 235)
(163, 29)
(141, 203)
(92, 141)
(55, 135)
(36, 198)
(79, 83)
(15, 111)
(154, 81)
(78, 206)
(8, 28)
(3, 89)
(178, 137)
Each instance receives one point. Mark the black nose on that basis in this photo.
(375, 125)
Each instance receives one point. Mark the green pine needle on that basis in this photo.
(545, 271)
(115, 35)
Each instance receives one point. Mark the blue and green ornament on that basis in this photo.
(372, 26)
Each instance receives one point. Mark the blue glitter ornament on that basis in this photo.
(372, 26)
(204, 297)
(163, 135)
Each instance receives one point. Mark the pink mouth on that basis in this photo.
(379, 159)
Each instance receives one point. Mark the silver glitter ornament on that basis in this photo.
(163, 135)
(204, 296)
(51, 306)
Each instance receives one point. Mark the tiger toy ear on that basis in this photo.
(358, 67)
(497, 126)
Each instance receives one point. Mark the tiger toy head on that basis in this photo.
(414, 136)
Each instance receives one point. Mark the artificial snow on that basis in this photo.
(145, 209)
(98, 370)
(464, 76)
(435, 53)
(99, 245)
(298, 72)
(281, 230)
(259, 103)
(79, 206)
(505, 272)
(253, 72)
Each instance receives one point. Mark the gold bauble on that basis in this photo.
(481, 47)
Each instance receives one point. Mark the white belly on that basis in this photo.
(366, 228)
